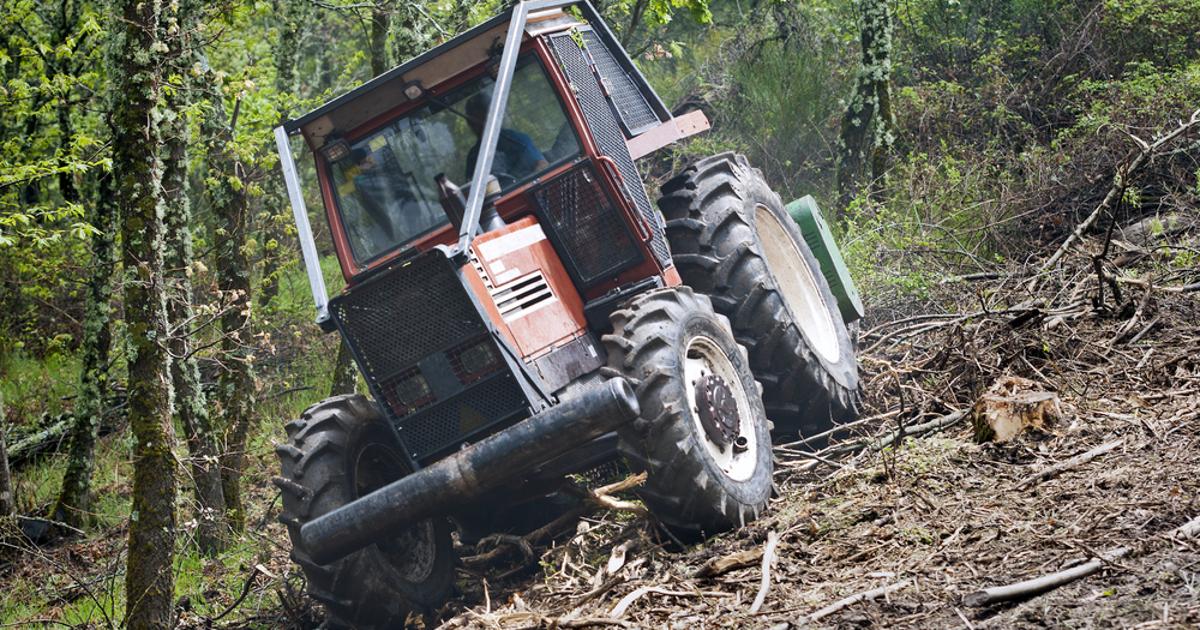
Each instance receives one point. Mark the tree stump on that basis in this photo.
(1013, 405)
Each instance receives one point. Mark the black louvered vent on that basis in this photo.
(608, 134)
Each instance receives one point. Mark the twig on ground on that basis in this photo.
(858, 597)
(768, 559)
(627, 601)
(1078, 460)
(1041, 584)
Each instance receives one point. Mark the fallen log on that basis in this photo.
(1044, 583)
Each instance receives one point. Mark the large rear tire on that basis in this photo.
(702, 436)
(339, 450)
(732, 240)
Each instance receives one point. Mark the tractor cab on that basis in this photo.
(487, 216)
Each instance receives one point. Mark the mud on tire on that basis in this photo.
(712, 211)
(692, 487)
(376, 587)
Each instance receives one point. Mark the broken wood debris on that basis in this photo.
(1068, 464)
(882, 591)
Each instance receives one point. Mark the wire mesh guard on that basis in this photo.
(595, 241)
(407, 327)
(607, 132)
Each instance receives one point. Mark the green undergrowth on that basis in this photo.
(295, 373)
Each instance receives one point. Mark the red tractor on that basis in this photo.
(541, 318)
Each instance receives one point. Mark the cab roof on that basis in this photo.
(428, 69)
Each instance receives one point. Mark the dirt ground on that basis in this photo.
(927, 519)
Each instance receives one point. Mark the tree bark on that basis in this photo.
(292, 18)
(191, 405)
(381, 17)
(74, 498)
(867, 132)
(135, 84)
(345, 374)
(228, 200)
(8, 504)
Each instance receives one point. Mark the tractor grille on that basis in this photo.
(594, 240)
(631, 104)
(608, 134)
(427, 355)
(442, 428)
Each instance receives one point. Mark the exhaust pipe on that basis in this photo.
(471, 472)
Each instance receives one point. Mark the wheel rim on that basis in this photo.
(413, 552)
(705, 363)
(797, 284)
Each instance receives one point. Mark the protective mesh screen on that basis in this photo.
(631, 103)
(608, 134)
(447, 425)
(404, 315)
(594, 240)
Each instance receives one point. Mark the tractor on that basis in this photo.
(522, 315)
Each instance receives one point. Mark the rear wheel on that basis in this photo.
(702, 435)
(339, 450)
(732, 240)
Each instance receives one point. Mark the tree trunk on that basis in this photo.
(345, 374)
(381, 17)
(292, 18)
(74, 498)
(135, 63)
(8, 503)
(867, 126)
(227, 198)
(191, 405)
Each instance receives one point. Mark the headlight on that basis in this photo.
(475, 361)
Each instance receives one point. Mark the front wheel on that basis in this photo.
(702, 437)
(338, 451)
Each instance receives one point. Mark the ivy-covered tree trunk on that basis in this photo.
(73, 500)
(8, 503)
(292, 17)
(381, 17)
(345, 375)
(135, 61)
(409, 39)
(867, 126)
(191, 405)
(227, 198)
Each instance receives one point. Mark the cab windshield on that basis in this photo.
(385, 185)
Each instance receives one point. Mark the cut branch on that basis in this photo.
(857, 597)
(1068, 464)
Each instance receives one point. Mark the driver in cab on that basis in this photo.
(516, 155)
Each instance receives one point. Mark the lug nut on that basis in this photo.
(741, 444)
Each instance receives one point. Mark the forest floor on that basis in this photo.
(933, 515)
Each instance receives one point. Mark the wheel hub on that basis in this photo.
(717, 409)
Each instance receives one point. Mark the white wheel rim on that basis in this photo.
(797, 284)
(704, 357)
